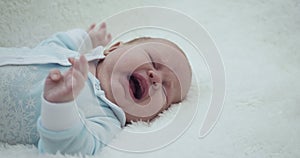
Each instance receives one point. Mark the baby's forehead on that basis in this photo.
(161, 41)
(142, 40)
(167, 51)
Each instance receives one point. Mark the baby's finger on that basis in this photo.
(102, 33)
(71, 60)
(92, 27)
(55, 75)
(75, 63)
(102, 26)
(83, 66)
(77, 82)
(108, 38)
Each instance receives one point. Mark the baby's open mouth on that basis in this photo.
(138, 86)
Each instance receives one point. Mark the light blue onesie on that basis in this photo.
(84, 125)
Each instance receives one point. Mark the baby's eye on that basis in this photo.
(164, 88)
(164, 91)
(154, 64)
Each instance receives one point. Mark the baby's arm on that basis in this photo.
(61, 126)
(80, 40)
(62, 130)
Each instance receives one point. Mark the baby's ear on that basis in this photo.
(112, 48)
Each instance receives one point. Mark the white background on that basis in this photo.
(258, 41)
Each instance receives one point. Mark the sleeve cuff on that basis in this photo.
(81, 39)
(58, 117)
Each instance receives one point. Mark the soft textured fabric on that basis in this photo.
(84, 125)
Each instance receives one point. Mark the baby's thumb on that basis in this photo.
(55, 75)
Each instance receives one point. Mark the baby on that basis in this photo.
(89, 93)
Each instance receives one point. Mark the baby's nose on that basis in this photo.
(154, 77)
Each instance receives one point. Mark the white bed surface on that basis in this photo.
(259, 44)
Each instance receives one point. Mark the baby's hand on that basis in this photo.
(66, 87)
(99, 35)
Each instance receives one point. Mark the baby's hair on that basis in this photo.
(146, 39)
(139, 39)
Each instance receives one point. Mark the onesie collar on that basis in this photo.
(101, 94)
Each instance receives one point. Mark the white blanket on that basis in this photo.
(259, 43)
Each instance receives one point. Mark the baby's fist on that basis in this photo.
(66, 87)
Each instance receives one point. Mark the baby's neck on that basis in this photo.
(94, 67)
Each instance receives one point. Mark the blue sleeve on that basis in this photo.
(76, 40)
(87, 136)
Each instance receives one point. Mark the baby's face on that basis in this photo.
(145, 78)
